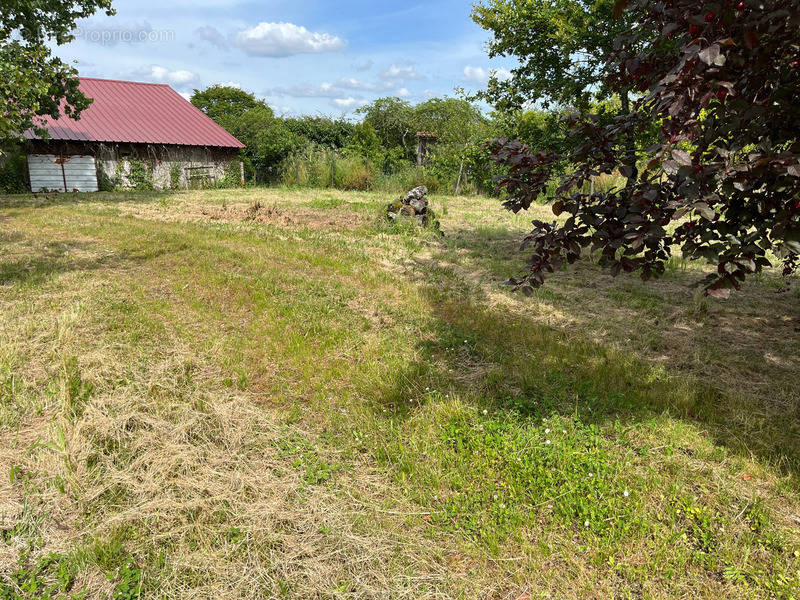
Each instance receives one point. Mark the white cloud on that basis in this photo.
(278, 40)
(502, 74)
(283, 111)
(349, 103)
(164, 75)
(481, 76)
(120, 32)
(186, 95)
(351, 83)
(307, 90)
(403, 92)
(213, 4)
(401, 72)
(339, 89)
(364, 66)
(475, 75)
(211, 35)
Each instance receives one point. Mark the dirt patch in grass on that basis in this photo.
(266, 213)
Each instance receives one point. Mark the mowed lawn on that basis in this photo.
(272, 394)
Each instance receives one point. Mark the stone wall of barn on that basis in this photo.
(143, 165)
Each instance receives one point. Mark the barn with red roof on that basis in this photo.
(133, 135)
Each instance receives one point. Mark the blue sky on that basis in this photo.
(302, 56)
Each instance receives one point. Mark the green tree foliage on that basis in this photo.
(273, 143)
(393, 121)
(221, 102)
(33, 83)
(563, 48)
(13, 169)
(461, 128)
(548, 131)
(268, 140)
(540, 129)
(237, 111)
(455, 121)
(387, 139)
(565, 51)
(322, 131)
(396, 123)
(365, 140)
(248, 125)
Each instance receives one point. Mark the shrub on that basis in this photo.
(232, 176)
(175, 176)
(351, 174)
(13, 170)
(140, 175)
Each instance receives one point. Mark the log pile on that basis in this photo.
(414, 206)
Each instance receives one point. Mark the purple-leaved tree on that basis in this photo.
(721, 80)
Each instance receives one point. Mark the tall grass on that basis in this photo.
(322, 168)
(601, 184)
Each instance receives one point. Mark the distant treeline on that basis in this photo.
(379, 150)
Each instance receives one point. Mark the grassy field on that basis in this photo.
(272, 394)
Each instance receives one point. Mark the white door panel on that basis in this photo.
(49, 172)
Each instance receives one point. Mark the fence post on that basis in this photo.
(419, 161)
(460, 172)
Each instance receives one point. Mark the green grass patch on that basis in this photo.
(359, 411)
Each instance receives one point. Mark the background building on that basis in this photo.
(133, 135)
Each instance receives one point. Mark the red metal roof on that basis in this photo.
(140, 113)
